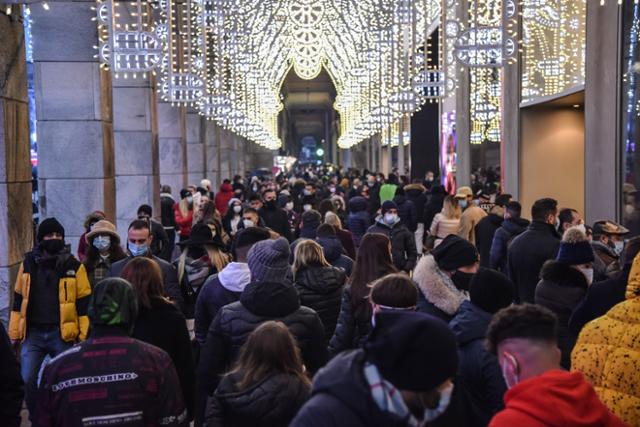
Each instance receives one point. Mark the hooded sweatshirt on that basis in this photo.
(222, 198)
(555, 398)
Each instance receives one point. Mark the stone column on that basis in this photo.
(74, 113)
(15, 168)
(211, 137)
(195, 148)
(172, 143)
(224, 146)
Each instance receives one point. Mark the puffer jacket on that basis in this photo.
(403, 243)
(272, 402)
(351, 331)
(608, 350)
(74, 293)
(438, 295)
(358, 220)
(485, 230)
(332, 249)
(416, 193)
(561, 288)
(320, 288)
(509, 229)
(433, 206)
(407, 212)
(259, 302)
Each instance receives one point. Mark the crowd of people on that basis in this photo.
(327, 297)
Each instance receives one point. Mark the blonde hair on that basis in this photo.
(333, 219)
(184, 207)
(450, 208)
(218, 259)
(308, 254)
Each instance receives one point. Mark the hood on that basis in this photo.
(321, 280)
(357, 204)
(331, 247)
(226, 188)
(515, 225)
(168, 195)
(572, 399)
(399, 199)
(633, 284)
(270, 299)
(235, 276)
(470, 323)
(437, 287)
(563, 275)
(414, 190)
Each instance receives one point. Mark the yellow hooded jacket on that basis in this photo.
(74, 292)
(608, 353)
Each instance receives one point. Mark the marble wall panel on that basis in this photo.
(133, 153)
(170, 150)
(132, 109)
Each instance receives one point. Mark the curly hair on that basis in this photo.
(527, 321)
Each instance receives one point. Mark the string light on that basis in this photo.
(45, 5)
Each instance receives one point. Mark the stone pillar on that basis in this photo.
(15, 168)
(172, 142)
(401, 148)
(212, 166)
(135, 141)
(195, 148)
(74, 113)
(463, 119)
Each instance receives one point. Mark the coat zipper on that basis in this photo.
(65, 291)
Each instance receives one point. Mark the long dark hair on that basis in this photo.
(93, 255)
(270, 348)
(372, 262)
(146, 277)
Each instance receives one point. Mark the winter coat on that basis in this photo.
(606, 263)
(11, 384)
(169, 278)
(333, 254)
(183, 223)
(277, 220)
(485, 230)
(387, 192)
(416, 194)
(438, 295)
(503, 236)
(74, 292)
(165, 327)
(167, 216)
(320, 288)
(351, 331)
(478, 370)
(160, 238)
(114, 378)
(600, 298)
(608, 352)
(259, 302)
(373, 202)
(403, 243)
(554, 399)
(272, 402)
(441, 227)
(222, 198)
(433, 207)
(526, 255)
(219, 290)
(196, 272)
(346, 239)
(561, 288)
(358, 220)
(341, 396)
(468, 221)
(407, 212)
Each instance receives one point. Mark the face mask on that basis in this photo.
(137, 250)
(289, 206)
(557, 223)
(390, 218)
(270, 204)
(189, 199)
(143, 217)
(247, 223)
(618, 247)
(306, 192)
(516, 380)
(582, 228)
(237, 209)
(306, 208)
(332, 190)
(461, 280)
(463, 203)
(52, 246)
(370, 183)
(588, 274)
(102, 243)
(445, 398)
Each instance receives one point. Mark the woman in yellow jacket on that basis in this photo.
(608, 353)
(50, 303)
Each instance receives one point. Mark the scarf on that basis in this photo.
(386, 397)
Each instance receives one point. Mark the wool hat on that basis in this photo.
(388, 205)
(184, 193)
(575, 248)
(454, 252)
(491, 290)
(412, 350)
(113, 303)
(48, 226)
(146, 209)
(102, 227)
(269, 260)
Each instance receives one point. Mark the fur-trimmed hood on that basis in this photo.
(563, 275)
(437, 287)
(415, 187)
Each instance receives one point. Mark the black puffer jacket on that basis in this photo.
(403, 243)
(320, 288)
(333, 249)
(561, 289)
(351, 331)
(272, 402)
(503, 236)
(485, 230)
(416, 193)
(259, 302)
(407, 212)
(433, 205)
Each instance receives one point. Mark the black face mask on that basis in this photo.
(461, 280)
(52, 246)
(270, 204)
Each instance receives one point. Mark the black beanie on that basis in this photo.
(412, 350)
(48, 226)
(491, 290)
(454, 252)
(146, 209)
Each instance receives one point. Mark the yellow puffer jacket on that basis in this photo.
(608, 353)
(74, 292)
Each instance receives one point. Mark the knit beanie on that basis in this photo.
(388, 205)
(269, 260)
(412, 350)
(491, 290)
(113, 303)
(454, 252)
(145, 209)
(575, 248)
(48, 226)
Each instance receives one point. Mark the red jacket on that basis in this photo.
(183, 223)
(222, 198)
(555, 398)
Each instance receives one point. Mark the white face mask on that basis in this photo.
(581, 227)
(618, 247)
(588, 274)
(306, 208)
(390, 218)
(289, 206)
(445, 398)
(247, 223)
(463, 203)
(237, 209)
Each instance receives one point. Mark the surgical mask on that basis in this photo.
(618, 247)
(582, 228)
(289, 206)
(463, 203)
(332, 189)
(557, 223)
(237, 209)
(445, 399)
(102, 243)
(504, 375)
(588, 274)
(189, 199)
(247, 223)
(390, 218)
(137, 250)
(306, 208)
(306, 192)
(370, 183)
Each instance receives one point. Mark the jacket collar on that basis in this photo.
(543, 227)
